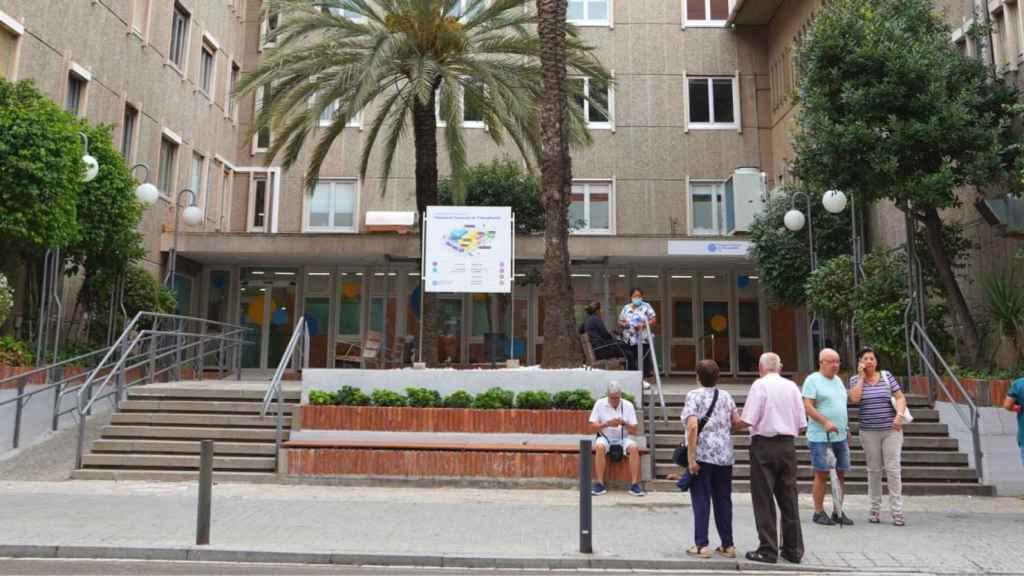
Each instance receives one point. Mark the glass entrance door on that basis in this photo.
(683, 351)
(266, 306)
(716, 337)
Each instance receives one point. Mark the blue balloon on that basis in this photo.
(279, 317)
(414, 302)
(743, 280)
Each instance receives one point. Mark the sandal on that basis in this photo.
(700, 551)
(897, 519)
(729, 552)
(875, 517)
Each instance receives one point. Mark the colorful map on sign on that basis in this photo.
(469, 239)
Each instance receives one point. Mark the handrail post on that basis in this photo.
(976, 438)
(279, 434)
(80, 450)
(19, 406)
(58, 391)
(205, 492)
(651, 434)
(121, 381)
(221, 361)
(177, 353)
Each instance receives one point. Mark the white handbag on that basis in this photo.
(907, 416)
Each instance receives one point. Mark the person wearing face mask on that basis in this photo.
(637, 321)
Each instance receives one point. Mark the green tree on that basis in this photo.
(501, 183)
(783, 257)
(40, 171)
(891, 109)
(398, 61)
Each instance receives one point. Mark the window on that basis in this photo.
(595, 98)
(468, 7)
(232, 100)
(140, 16)
(263, 135)
(75, 97)
(211, 186)
(706, 12)
(196, 184)
(354, 16)
(332, 206)
(268, 31)
(591, 208)
(707, 208)
(206, 68)
(711, 103)
(168, 164)
(588, 12)
(179, 36)
(472, 113)
(10, 32)
(128, 124)
(258, 221)
(327, 116)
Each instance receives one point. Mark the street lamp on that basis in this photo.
(193, 216)
(145, 193)
(834, 201)
(92, 167)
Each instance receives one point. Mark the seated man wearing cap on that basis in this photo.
(613, 419)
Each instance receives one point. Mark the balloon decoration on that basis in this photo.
(350, 290)
(256, 311)
(743, 281)
(414, 302)
(719, 323)
(279, 317)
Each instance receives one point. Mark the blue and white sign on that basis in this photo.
(736, 248)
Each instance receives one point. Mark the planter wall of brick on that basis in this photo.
(983, 392)
(404, 419)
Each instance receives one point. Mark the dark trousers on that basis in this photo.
(712, 486)
(773, 470)
(609, 350)
(631, 359)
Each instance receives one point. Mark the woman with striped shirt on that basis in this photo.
(881, 431)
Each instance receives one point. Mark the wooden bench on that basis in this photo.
(618, 363)
(437, 458)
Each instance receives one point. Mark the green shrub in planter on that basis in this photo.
(352, 396)
(539, 400)
(387, 398)
(574, 400)
(321, 398)
(423, 397)
(494, 399)
(459, 399)
(14, 352)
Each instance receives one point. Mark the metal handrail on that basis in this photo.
(971, 418)
(178, 343)
(275, 389)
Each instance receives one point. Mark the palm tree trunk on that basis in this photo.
(944, 267)
(561, 346)
(425, 140)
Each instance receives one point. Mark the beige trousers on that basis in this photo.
(882, 449)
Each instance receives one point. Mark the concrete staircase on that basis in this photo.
(157, 431)
(932, 462)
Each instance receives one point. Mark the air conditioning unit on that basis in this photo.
(745, 197)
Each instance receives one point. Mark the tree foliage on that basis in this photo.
(783, 257)
(40, 171)
(502, 183)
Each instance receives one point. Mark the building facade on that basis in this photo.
(694, 126)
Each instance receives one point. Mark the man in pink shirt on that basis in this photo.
(774, 411)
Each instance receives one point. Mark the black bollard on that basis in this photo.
(586, 512)
(205, 492)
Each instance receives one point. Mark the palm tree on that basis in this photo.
(407, 62)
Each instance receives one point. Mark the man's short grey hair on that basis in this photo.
(614, 388)
(770, 361)
(825, 353)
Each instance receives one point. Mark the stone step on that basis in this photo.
(172, 476)
(910, 443)
(176, 461)
(211, 390)
(936, 473)
(187, 433)
(912, 429)
(858, 458)
(854, 487)
(182, 447)
(205, 406)
(678, 400)
(671, 414)
(195, 419)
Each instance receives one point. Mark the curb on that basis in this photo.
(203, 554)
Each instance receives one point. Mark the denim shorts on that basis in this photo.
(819, 455)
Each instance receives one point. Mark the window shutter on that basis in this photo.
(686, 104)
(736, 103)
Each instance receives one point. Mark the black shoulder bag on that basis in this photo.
(680, 456)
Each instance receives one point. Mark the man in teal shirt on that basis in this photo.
(1014, 399)
(825, 403)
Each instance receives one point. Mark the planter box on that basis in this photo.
(983, 392)
(39, 378)
(406, 419)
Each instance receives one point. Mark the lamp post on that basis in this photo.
(193, 216)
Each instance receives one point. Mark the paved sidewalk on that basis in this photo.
(945, 534)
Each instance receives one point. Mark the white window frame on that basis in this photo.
(711, 124)
(17, 30)
(147, 11)
(133, 134)
(586, 21)
(197, 190)
(707, 22)
(716, 207)
(610, 124)
(173, 138)
(185, 42)
(208, 46)
(251, 212)
(257, 106)
(462, 6)
(587, 183)
(353, 122)
(307, 204)
(265, 30)
(84, 77)
(337, 12)
(461, 103)
(231, 108)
